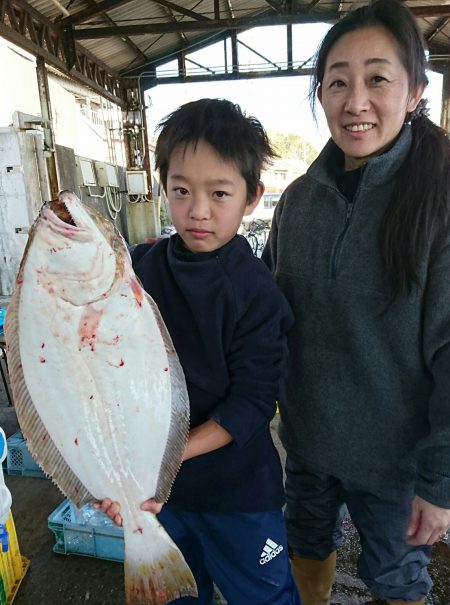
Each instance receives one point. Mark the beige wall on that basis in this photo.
(18, 83)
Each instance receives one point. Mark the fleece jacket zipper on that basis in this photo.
(338, 247)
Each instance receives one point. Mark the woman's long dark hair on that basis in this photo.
(418, 216)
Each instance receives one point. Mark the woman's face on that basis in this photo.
(365, 93)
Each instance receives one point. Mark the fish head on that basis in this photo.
(72, 251)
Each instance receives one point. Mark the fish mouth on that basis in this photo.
(61, 220)
(59, 208)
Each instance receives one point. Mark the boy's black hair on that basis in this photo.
(234, 136)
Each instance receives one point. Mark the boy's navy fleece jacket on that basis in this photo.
(227, 320)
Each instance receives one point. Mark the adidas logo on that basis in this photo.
(270, 551)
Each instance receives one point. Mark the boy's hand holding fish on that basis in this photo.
(205, 438)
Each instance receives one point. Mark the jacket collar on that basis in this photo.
(377, 171)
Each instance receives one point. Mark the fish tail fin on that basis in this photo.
(155, 569)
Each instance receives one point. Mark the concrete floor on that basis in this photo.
(54, 579)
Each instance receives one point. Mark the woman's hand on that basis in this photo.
(428, 523)
(112, 509)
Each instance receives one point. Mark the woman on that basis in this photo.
(360, 245)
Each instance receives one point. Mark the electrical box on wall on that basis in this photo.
(106, 175)
(137, 182)
(85, 172)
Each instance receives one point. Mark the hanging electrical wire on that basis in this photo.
(113, 202)
(93, 195)
(136, 198)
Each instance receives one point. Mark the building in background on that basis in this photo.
(276, 178)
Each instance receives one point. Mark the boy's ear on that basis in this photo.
(254, 201)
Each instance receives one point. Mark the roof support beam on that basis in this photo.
(137, 51)
(233, 24)
(23, 25)
(91, 11)
(276, 5)
(107, 5)
(443, 22)
(431, 11)
(210, 25)
(180, 9)
(151, 81)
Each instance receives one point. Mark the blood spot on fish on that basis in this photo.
(42, 360)
(88, 328)
(139, 530)
(91, 397)
(76, 440)
(166, 369)
(117, 365)
(42, 345)
(19, 279)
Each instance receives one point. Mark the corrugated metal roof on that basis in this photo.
(123, 52)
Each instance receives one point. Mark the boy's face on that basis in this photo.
(207, 197)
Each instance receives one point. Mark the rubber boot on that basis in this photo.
(314, 578)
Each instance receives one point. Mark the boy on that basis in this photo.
(227, 320)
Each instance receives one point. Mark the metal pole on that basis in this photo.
(146, 150)
(46, 111)
(445, 111)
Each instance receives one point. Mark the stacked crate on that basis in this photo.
(19, 461)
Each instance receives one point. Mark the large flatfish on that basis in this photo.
(98, 388)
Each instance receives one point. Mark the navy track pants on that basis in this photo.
(244, 554)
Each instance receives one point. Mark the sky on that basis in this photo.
(280, 103)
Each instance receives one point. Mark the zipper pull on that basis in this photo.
(349, 210)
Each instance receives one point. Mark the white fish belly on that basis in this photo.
(100, 380)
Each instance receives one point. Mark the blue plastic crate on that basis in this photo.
(96, 537)
(19, 461)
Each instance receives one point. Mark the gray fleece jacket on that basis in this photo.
(368, 393)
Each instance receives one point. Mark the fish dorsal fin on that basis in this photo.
(179, 421)
(39, 442)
